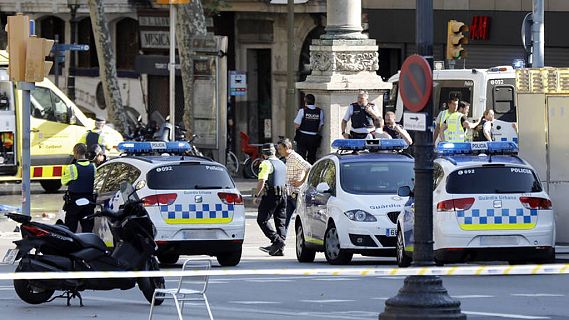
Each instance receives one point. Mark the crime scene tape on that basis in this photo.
(361, 272)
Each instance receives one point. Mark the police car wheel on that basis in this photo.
(332, 251)
(403, 260)
(168, 258)
(303, 254)
(229, 259)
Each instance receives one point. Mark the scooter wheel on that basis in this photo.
(31, 294)
(148, 285)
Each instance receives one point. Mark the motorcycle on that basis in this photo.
(54, 248)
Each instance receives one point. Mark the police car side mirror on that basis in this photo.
(323, 187)
(404, 191)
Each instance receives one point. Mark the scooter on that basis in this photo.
(54, 248)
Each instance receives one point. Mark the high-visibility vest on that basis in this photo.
(454, 131)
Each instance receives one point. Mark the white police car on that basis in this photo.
(488, 204)
(349, 203)
(192, 201)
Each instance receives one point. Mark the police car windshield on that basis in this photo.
(189, 176)
(375, 177)
(495, 179)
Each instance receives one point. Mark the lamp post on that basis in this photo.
(73, 6)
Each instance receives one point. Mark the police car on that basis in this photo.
(349, 203)
(488, 204)
(192, 201)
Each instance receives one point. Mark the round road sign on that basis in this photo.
(415, 83)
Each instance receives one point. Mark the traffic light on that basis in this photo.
(36, 66)
(455, 40)
(18, 34)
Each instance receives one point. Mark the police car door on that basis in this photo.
(321, 197)
(310, 199)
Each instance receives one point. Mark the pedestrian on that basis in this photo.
(271, 190)
(97, 155)
(483, 131)
(308, 123)
(456, 125)
(395, 130)
(79, 178)
(296, 172)
(362, 115)
(451, 106)
(96, 135)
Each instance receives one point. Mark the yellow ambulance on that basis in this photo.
(57, 124)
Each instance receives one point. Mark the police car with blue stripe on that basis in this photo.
(192, 201)
(349, 203)
(488, 204)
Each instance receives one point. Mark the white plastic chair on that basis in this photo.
(190, 288)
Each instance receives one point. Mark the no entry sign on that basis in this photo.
(416, 83)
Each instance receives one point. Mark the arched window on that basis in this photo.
(127, 43)
(51, 26)
(87, 59)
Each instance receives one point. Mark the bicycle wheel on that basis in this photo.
(232, 163)
(255, 166)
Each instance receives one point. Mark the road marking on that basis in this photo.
(254, 302)
(537, 295)
(335, 279)
(503, 315)
(473, 296)
(327, 301)
(267, 281)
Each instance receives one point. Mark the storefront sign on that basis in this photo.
(155, 39)
(479, 28)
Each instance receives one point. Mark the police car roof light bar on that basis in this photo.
(369, 144)
(489, 147)
(136, 147)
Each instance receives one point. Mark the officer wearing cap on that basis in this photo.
(271, 190)
(79, 178)
(96, 135)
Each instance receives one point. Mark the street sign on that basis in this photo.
(237, 83)
(415, 121)
(415, 83)
(70, 47)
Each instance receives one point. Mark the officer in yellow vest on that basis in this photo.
(455, 126)
(452, 105)
(79, 178)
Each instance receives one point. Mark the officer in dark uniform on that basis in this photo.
(308, 122)
(271, 189)
(95, 135)
(79, 178)
(362, 114)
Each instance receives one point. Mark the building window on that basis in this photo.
(51, 26)
(127, 43)
(87, 59)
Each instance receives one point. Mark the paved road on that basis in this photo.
(297, 297)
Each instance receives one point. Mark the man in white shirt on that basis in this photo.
(362, 115)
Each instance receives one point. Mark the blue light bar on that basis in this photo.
(369, 144)
(487, 147)
(135, 147)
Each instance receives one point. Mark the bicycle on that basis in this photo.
(231, 160)
(252, 157)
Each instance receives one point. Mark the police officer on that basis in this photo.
(362, 114)
(452, 105)
(308, 122)
(97, 155)
(96, 135)
(79, 177)
(456, 125)
(271, 189)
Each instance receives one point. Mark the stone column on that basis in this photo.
(343, 61)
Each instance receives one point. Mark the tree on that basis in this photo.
(107, 66)
(190, 24)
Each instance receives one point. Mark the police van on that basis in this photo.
(192, 200)
(488, 204)
(484, 89)
(349, 203)
(56, 126)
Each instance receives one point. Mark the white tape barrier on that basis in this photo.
(360, 272)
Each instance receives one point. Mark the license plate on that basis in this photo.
(10, 256)
(391, 232)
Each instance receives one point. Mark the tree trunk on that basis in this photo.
(190, 23)
(107, 66)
